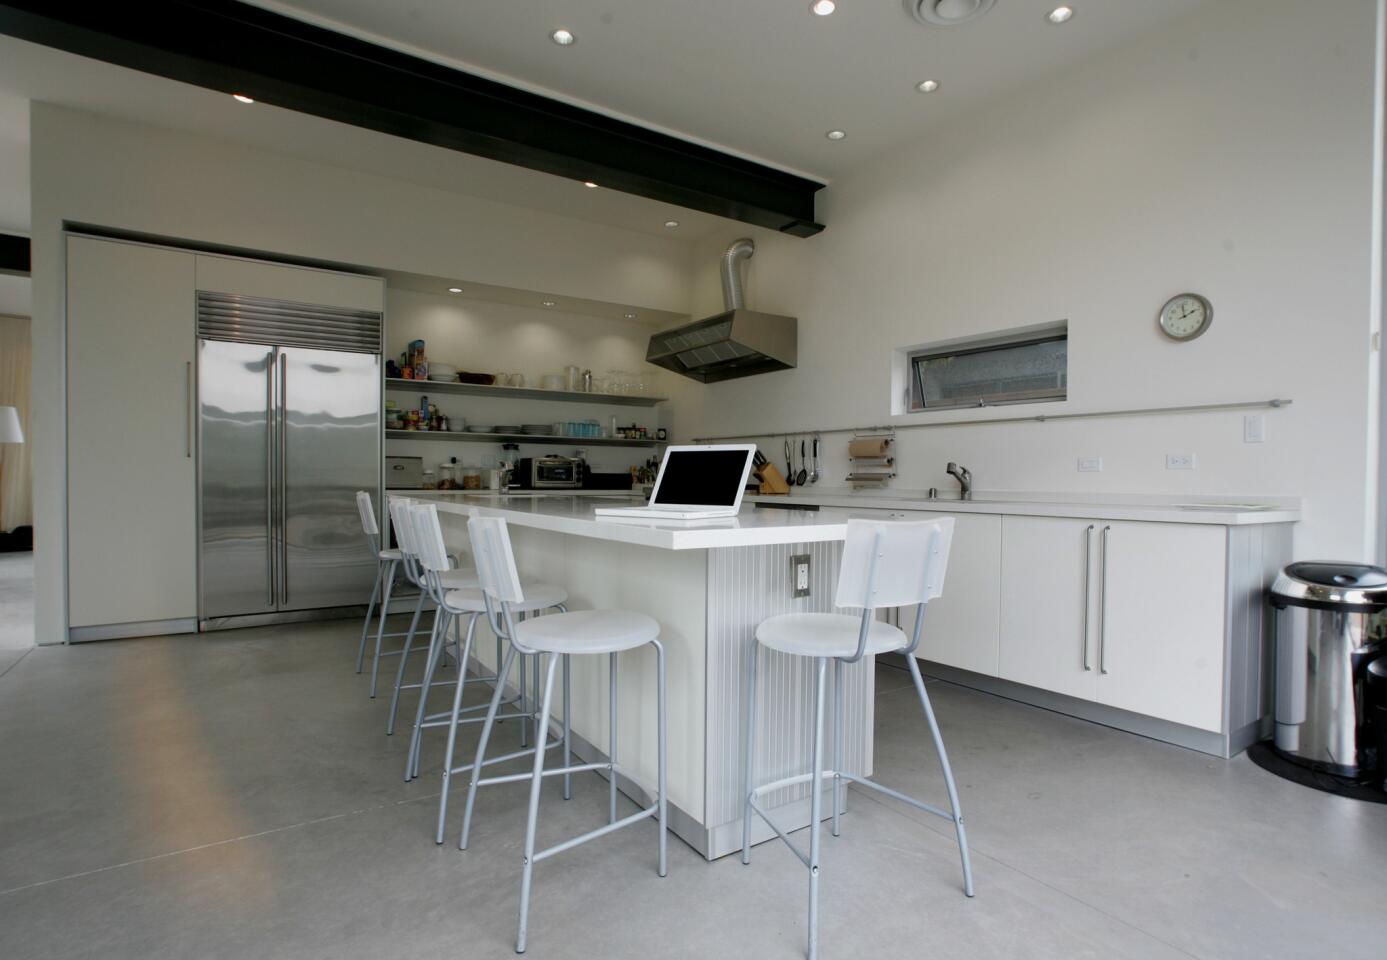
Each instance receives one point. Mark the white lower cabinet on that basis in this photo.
(1126, 614)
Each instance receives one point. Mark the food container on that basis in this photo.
(471, 478)
(430, 480)
(553, 381)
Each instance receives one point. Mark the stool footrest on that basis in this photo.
(653, 811)
(897, 795)
(527, 752)
(548, 772)
(803, 857)
(798, 778)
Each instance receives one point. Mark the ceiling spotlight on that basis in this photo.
(671, 223)
(563, 38)
(455, 289)
(927, 86)
(835, 134)
(822, 8)
(546, 303)
(947, 13)
(590, 184)
(629, 316)
(1060, 15)
(241, 98)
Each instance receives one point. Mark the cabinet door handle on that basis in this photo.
(188, 409)
(283, 479)
(270, 538)
(1103, 607)
(1088, 556)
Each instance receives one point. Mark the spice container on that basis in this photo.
(429, 481)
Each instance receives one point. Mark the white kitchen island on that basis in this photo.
(708, 586)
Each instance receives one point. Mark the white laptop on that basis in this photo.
(695, 483)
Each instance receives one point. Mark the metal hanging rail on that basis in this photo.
(1036, 418)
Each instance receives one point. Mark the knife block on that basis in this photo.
(771, 480)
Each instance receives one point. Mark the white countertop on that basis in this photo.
(575, 516)
(1218, 511)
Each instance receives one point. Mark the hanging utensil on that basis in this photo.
(814, 474)
(803, 474)
(789, 462)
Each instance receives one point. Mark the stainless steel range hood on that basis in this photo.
(736, 343)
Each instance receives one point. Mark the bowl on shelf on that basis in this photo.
(474, 428)
(445, 369)
(443, 377)
(553, 381)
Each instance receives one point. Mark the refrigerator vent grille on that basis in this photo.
(229, 316)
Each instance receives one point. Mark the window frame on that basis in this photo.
(915, 396)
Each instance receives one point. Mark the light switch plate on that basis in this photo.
(1254, 428)
(799, 575)
(1179, 461)
(1090, 464)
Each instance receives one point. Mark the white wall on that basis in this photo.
(94, 170)
(1227, 154)
(488, 337)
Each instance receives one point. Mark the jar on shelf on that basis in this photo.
(429, 480)
(471, 478)
(447, 476)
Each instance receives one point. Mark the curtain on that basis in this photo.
(16, 499)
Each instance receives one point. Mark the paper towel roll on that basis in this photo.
(869, 447)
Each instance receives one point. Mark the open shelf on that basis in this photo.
(519, 393)
(519, 438)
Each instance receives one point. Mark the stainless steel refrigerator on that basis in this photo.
(289, 400)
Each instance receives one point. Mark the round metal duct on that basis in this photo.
(947, 13)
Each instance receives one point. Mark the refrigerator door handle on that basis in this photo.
(188, 409)
(283, 480)
(270, 476)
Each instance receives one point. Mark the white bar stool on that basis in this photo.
(585, 632)
(386, 564)
(885, 564)
(454, 603)
(403, 524)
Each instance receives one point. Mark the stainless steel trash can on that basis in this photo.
(1329, 627)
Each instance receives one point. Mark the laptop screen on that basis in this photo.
(710, 478)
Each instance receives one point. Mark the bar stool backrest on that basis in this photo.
(368, 514)
(428, 538)
(894, 563)
(403, 523)
(496, 570)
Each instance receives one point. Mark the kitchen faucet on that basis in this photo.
(964, 478)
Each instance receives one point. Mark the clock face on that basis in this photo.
(1186, 316)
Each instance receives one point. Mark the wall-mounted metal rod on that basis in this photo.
(1035, 418)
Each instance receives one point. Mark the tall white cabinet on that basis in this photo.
(131, 474)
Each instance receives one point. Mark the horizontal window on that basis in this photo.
(987, 373)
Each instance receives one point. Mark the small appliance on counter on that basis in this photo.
(548, 473)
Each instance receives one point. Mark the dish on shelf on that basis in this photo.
(538, 429)
(553, 381)
(444, 377)
(473, 428)
(508, 428)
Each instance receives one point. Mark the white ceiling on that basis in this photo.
(762, 78)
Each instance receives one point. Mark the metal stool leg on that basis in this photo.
(366, 624)
(524, 701)
(611, 740)
(528, 865)
(749, 749)
(662, 746)
(481, 745)
(815, 801)
(400, 671)
(416, 740)
(948, 775)
(453, 733)
(567, 730)
(837, 742)
(380, 629)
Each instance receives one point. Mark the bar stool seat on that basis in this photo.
(586, 631)
(459, 579)
(538, 596)
(827, 635)
(390, 554)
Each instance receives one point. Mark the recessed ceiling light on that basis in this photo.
(590, 184)
(547, 303)
(1060, 15)
(630, 316)
(563, 38)
(835, 134)
(822, 8)
(947, 13)
(671, 223)
(241, 98)
(927, 86)
(455, 289)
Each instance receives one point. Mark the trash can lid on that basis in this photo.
(1327, 584)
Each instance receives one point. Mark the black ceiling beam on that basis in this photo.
(14, 255)
(237, 48)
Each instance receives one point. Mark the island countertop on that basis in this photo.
(577, 516)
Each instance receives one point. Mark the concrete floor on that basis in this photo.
(234, 795)
(16, 607)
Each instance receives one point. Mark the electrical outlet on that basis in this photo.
(1254, 428)
(1179, 461)
(799, 575)
(1090, 464)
